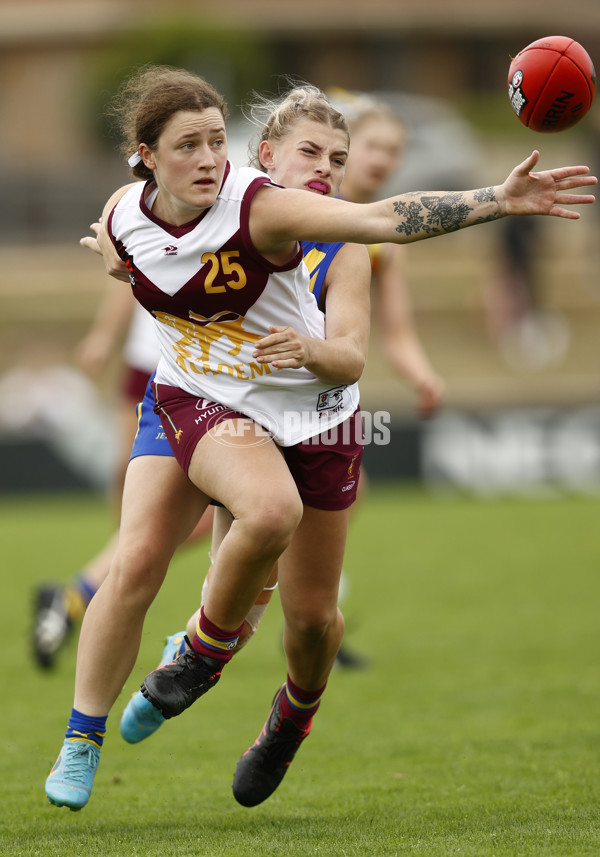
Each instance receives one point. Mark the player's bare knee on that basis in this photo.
(317, 623)
(137, 572)
(274, 523)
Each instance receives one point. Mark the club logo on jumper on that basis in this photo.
(516, 94)
(200, 333)
(224, 324)
(170, 250)
(331, 400)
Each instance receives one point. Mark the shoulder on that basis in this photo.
(354, 254)
(239, 179)
(132, 189)
(350, 267)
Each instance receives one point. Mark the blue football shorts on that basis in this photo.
(150, 438)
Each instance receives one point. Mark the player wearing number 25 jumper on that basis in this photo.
(176, 128)
(212, 314)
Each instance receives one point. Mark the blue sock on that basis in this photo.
(85, 589)
(82, 727)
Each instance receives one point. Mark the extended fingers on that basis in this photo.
(567, 177)
(567, 213)
(91, 244)
(528, 164)
(563, 172)
(575, 199)
(575, 181)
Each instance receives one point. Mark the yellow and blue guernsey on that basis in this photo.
(317, 258)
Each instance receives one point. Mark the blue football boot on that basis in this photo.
(70, 780)
(140, 718)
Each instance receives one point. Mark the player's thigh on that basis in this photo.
(160, 504)
(244, 470)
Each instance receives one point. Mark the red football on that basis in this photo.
(551, 84)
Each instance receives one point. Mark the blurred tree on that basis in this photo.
(235, 62)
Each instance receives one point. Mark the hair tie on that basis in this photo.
(134, 160)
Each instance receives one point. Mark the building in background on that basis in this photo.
(441, 63)
(60, 59)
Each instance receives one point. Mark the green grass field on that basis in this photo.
(474, 731)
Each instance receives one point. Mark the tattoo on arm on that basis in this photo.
(436, 215)
(432, 214)
(486, 194)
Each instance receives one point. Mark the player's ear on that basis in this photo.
(147, 156)
(265, 154)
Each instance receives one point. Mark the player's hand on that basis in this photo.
(103, 246)
(284, 348)
(544, 192)
(94, 351)
(430, 392)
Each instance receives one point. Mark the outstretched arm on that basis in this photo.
(522, 193)
(277, 216)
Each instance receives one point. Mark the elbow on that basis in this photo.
(356, 365)
(344, 377)
(356, 373)
(352, 371)
(360, 363)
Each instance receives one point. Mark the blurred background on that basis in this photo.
(522, 411)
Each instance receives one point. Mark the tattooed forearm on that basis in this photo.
(438, 214)
(432, 214)
(447, 212)
(412, 216)
(485, 194)
(489, 217)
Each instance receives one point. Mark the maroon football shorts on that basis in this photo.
(325, 468)
(185, 419)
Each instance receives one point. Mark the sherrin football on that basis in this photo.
(551, 84)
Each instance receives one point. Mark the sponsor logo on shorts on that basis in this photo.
(207, 410)
(349, 486)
